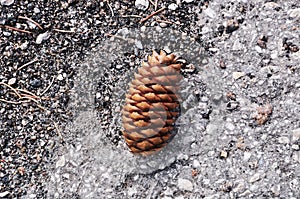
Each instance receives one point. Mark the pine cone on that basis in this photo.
(152, 104)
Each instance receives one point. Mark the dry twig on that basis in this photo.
(9, 102)
(36, 102)
(152, 2)
(156, 3)
(126, 16)
(164, 21)
(15, 29)
(11, 88)
(27, 64)
(48, 87)
(28, 96)
(115, 36)
(34, 22)
(152, 14)
(111, 10)
(64, 31)
(58, 131)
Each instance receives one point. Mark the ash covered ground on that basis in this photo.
(64, 71)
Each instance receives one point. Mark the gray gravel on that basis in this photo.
(238, 135)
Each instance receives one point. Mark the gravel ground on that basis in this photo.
(64, 70)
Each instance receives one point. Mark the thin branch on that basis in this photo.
(11, 88)
(37, 103)
(115, 36)
(16, 29)
(127, 16)
(152, 2)
(34, 22)
(156, 3)
(27, 64)
(28, 93)
(64, 31)
(58, 131)
(9, 102)
(164, 21)
(48, 87)
(152, 14)
(111, 10)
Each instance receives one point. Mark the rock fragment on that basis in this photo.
(185, 184)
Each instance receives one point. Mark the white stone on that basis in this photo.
(283, 140)
(229, 126)
(24, 45)
(294, 184)
(185, 184)
(188, 1)
(132, 191)
(12, 81)
(138, 44)
(3, 194)
(143, 28)
(296, 155)
(295, 147)
(60, 77)
(6, 2)
(98, 95)
(258, 49)
(271, 5)
(142, 4)
(196, 164)
(296, 135)
(173, 6)
(294, 13)
(210, 12)
(247, 156)
(61, 162)
(237, 75)
(42, 37)
(254, 178)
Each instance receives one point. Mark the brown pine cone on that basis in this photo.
(152, 104)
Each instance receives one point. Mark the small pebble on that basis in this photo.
(296, 135)
(196, 164)
(6, 2)
(132, 191)
(60, 77)
(42, 37)
(185, 184)
(283, 140)
(142, 4)
(173, 6)
(138, 44)
(7, 34)
(247, 156)
(12, 81)
(61, 162)
(24, 45)
(36, 83)
(229, 126)
(143, 28)
(188, 1)
(237, 75)
(232, 25)
(224, 154)
(210, 12)
(163, 25)
(294, 13)
(3, 194)
(254, 178)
